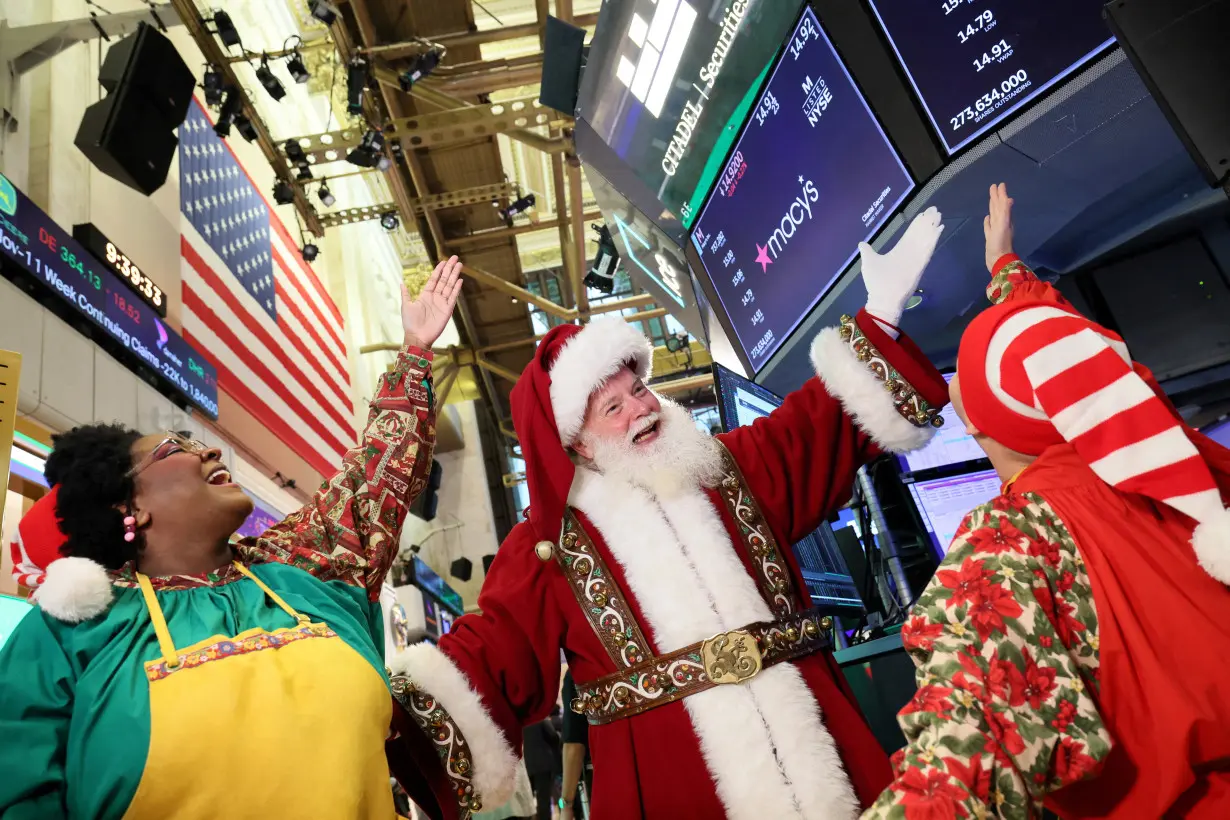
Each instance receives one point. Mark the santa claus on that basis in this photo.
(657, 558)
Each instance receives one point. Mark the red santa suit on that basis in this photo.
(612, 576)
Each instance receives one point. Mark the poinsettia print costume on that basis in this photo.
(1073, 649)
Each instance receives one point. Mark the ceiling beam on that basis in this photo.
(561, 198)
(578, 234)
(461, 242)
(475, 38)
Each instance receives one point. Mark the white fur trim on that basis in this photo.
(1211, 540)
(495, 761)
(863, 395)
(763, 742)
(586, 362)
(75, 590)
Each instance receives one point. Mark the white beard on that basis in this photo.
(682, 458)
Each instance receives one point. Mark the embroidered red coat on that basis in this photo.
(790, 743)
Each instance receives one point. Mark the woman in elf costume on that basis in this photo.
(172, 672)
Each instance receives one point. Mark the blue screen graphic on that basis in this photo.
(812, 176)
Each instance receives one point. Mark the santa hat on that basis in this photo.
(549, 403)
(1038, 374)
(67, 588)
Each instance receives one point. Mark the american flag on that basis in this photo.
(255, 307)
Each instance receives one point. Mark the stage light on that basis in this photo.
(326, 196)
(227, 33)
(297, 70)
(370, 152)
(294, 152)
(246, 129)
(421, 66)
(283, 193)
(213, 83)
(522, 205)
(676, 342)
(271, 83)
(309, 251)
(232, 108)
(389, 220)
(601, 276)
(356, 82)
(305, 172)
(324, 11)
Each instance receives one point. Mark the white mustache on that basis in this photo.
(642, 425)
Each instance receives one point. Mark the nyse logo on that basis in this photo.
(656, 43)
(797, 213)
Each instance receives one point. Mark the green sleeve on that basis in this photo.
(36, 698)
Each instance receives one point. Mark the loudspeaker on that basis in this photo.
(461, 569)
(1178, 47)
(563, 57)
(129, 135)
(149, 62)
(487, 561)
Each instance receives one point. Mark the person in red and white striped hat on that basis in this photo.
(1073, 649)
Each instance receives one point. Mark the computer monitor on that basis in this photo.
(943, 503)
(1219, 432)
(950, 445)
(741, 402)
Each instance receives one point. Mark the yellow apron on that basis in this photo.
(237, 732)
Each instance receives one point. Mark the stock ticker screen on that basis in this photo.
(812, 176)
(974, 62)
(45, 258)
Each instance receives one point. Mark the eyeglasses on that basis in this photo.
(171, 444)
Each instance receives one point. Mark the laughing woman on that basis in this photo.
(173, 671)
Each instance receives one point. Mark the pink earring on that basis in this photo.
(130, 528)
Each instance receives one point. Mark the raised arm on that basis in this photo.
(350, 529)
(1011, 278)
(875, 391)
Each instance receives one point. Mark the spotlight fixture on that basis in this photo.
(309, 252)
(272, 84)
(601, 276)
(324, 11)
(294, 152)
(522, 205)
(326, 196)
(305, 172)
(369, 152)
(297, 70)
(676, 342)
(389, 220)
(283, 193)
(232, 108)
(227, 33)
(213, 83)
(356, 82)
(421, 66)
(246, 129)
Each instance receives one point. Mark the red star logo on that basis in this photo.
(762, 258)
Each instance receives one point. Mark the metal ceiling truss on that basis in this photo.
(420, 205)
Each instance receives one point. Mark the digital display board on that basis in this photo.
(108, 253)
(949, 446)
(664, 89)
(975, 62)
(812, 176)
(943, 503)
(48, 261)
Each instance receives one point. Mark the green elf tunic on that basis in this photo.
(255, 691)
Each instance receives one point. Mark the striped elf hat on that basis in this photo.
(1038, 374)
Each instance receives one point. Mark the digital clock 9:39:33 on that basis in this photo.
(108, 253)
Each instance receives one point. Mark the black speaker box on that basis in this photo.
(487, 562)
(1179, 49)
(462, 569)
(147, 61)
(116, 137)
(562, 58)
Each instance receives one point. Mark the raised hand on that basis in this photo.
(892, 278)
(997, 227)
(424, 318)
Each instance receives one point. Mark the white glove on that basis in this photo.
(892, 278)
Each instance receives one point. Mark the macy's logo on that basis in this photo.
(795, 213)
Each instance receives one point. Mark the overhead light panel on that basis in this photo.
(283, 193)
(271, 83)
(227, 33)
(326, 196)
(389, 220)
(356, 82)
(324, 11)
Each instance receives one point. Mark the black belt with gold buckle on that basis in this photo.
(727, 658)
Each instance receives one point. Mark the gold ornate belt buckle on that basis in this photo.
(731, 657)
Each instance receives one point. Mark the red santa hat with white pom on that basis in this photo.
(67, 588)
(1037, 374)
(550, 399)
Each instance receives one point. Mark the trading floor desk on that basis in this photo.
(882, 677)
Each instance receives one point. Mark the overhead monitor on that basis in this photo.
(975, 62)
(951, 445)
(741, 402)
(811, 177)
(943, 503)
